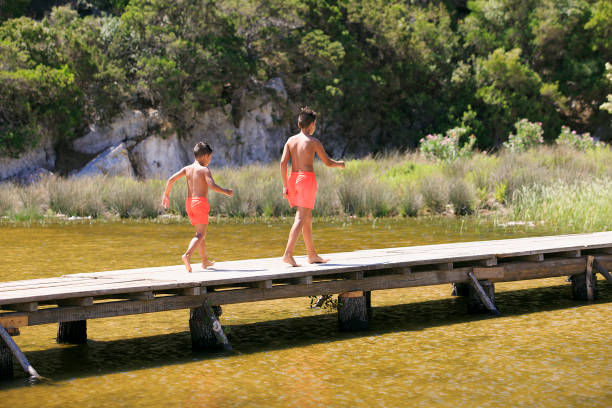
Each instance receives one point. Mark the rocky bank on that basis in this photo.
(251, 129)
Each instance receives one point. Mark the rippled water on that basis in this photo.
(423, 349)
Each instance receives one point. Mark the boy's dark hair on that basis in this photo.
(307, 116)
(201, 149)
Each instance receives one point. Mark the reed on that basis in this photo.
(545, 183)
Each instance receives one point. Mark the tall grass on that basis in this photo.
(541, 184)
(581, 206)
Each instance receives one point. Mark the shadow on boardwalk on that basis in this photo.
(106, 357)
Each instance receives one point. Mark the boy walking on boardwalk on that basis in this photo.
(301, 188)
(199, 180)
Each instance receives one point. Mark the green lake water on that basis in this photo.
(422, 350)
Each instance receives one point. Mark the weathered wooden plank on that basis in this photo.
(22, 307)
(13, 321)
(194, 291)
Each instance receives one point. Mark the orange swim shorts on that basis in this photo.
(197, 210)
(302, 189)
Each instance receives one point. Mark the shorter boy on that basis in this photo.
(199, 180)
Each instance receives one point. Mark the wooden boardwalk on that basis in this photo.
(75, 298)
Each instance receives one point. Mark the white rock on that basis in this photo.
(114, 161)
(156, 157)
(29, 163)
(132, 124)
(278, 86)
(259, 136)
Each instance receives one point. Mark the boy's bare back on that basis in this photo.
(197, 185)
(302, 149)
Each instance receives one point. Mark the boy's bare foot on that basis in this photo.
(317, 259)
(206, 264)
(186, 258)
(289, 259)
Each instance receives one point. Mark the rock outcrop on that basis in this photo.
(253, 128)
(130, 125)
(29, 165)
(156, 157)
(114, 161)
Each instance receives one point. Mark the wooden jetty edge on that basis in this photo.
(472, 268)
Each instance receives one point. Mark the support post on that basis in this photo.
(6, 340)
(460, 289)
(6, 361)
(368, 296)
(352, 311)
(72, 332)
(482, 296)
(205, 328)
(584, 285)
(602, 270)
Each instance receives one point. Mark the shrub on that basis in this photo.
(528, 135)
(435, 193)
(446, 147)
(462, 196)
(570, 138)
(410, 201)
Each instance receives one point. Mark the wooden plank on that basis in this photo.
(482, 295)
(493, 273)
(447, 266)
(22, 307)
(357, 275)
(13, 321)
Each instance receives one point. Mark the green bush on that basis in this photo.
(528, 135)
(446, 147)
(434, 190)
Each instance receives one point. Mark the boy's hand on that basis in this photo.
(341, 164)
(165, 202)
(286, 193)
(230, 192)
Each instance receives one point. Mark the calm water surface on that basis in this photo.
(423, 349)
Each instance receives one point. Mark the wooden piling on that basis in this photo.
(6, 339)
(202, 328)
(460, 289)
(481, 297)
(584, 285)
(352, 311)
(72, 332)
(6, 361)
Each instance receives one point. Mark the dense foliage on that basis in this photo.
(383, 73)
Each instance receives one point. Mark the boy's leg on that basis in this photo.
(202, 250)
(308, 241)
(300, 216)
(195, 242)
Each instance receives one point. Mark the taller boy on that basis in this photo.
(301, 188)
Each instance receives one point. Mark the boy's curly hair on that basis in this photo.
(307, 116)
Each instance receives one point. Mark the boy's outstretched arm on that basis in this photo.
(214, 187)
(171, 180)
(325, 158)
(283, 169)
